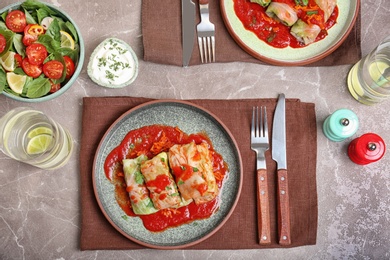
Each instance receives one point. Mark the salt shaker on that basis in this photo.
(343, 123)
(366, 149)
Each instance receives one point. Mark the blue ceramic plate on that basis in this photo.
(190, 119)
(348, 12)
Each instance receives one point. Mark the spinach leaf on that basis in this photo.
(8, 35)
(70, 28)
(29, 17)
(50, 44)
(33, 5)
(42, 13)
(3, 80)
(19, 46)
(54, 30)
(3, 26)
(38, 87)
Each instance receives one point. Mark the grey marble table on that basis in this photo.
(40, 210)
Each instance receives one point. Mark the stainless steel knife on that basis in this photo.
(188, 29)
(279, 152)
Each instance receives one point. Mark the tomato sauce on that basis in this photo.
(151, 140)
(254, 18)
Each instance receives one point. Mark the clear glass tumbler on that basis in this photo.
(369, 79)
(29, 136)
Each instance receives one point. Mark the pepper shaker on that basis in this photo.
(343, 123)
(366, 149)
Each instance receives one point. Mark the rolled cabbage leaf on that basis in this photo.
(282, 12)
(192, 167)
(160, 183)
(138, 193)
(327, 6)
(304, 32)
(261, 2)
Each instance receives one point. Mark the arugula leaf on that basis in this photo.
(38, 87)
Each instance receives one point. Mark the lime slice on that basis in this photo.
(66, 40)
(377, 70)
(16, 82)
(39, 144)
(8, 61)
(39, 131)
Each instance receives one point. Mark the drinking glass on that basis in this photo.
(29, 136)
(369, 79)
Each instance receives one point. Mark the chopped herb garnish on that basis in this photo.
(195, 169)
(174, 194)
(180, 182)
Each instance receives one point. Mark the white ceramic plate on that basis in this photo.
(190, 119)
(348, 11)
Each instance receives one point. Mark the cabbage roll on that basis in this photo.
(327, 6)
(283, 12)
(160, 183)
(192, 167)
(261, 2)
(304, 32)
(138, 193)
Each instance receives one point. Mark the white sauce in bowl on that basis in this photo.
(113, 64)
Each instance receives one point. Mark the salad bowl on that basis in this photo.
(77, 54)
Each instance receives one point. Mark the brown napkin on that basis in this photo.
(161, 29)
(240, 231)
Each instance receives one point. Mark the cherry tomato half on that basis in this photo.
(36, 53)
(18, 60)
(54, 87)
(16, 21)
(3, 43)
(69, 64)
(31, 69)
(31, 33)
(53, 69)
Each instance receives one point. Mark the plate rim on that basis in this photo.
(225, 218)
(276, 62)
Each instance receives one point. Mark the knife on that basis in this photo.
(279, 155)
(188, 29)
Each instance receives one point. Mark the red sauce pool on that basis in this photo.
(151, 140)
(276, 34)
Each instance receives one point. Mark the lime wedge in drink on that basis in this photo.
(39, 130)
(377, 70)
(39, 144)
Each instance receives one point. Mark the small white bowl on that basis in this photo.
(106, 66)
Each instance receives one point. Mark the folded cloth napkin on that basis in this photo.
(161, 30)
(240, 231)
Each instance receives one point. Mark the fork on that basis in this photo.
(206, 34)
(260, 144)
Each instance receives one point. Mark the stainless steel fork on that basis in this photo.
(206, 34)
(260, 144)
